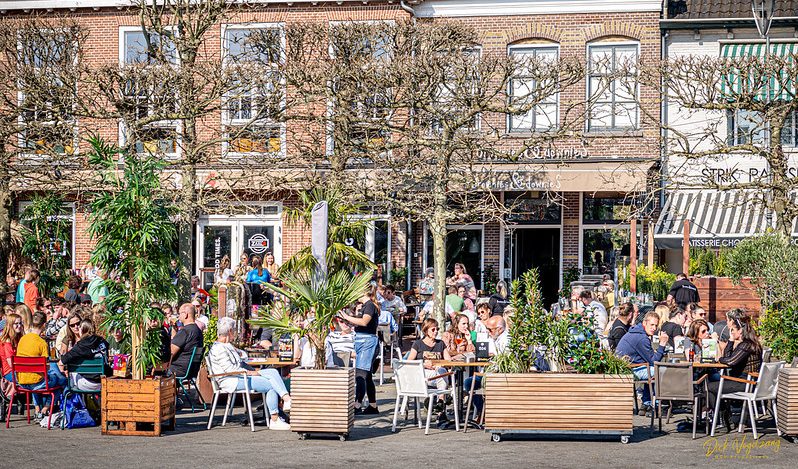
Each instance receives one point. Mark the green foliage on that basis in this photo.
(398, 278)
(654, 281)
(778, 328)
(306, 293)
(46, 236)
(346, 229)
(133, 229)
(489, 280)
(209, 337)
(570, 274)
(770, 261)
(708, 262)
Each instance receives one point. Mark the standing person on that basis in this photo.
(197, 292)
(9, 340)
(185, 340)
(620, 326)
(365, 347)
(272, 266)
(243, 269)
(636, 346)
(174, 272)
(683, 291)
(21, 286)
(73, 289)
(97, 289)
(32, 290)
(498, 301)
(675, 326)
(32, 345)
(223, 272)
(257, 278)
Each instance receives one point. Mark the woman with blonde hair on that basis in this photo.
(8, 343)
(26, 314)
(223, 272)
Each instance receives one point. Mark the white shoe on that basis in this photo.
(287, 405)
(279, 424)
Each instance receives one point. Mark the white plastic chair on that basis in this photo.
(384, 331)
(231, 396)
(412, 383)
(766, 390)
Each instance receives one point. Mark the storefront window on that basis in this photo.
(258, 240)
(382, 249)
(462, 246)
(217, 244)
(602, 247)
(607, 208)
(533, 209)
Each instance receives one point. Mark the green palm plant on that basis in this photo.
(346, 228)
(306, 293)
(133, 228)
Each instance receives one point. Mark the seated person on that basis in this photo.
(426, 286)
(89, 345)
(483, 314)
(119, 343)
(673, 327)
(458, 338)
(468, 304)
(32, 345)
(341, 340)
(636, 346)
(454, 301)
(184, 342)
(429, 348)
(227, 359)
(698, 331)
(392, 302)
(265, 338)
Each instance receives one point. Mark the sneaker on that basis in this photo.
(279, 424)
(287, 405)
(371, 411)
(38, 417)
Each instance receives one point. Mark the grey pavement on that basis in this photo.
(372, 444)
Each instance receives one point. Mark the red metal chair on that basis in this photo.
(31, 365)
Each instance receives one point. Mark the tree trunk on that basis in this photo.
(5, 221)
(185, 227)
(137, 330)
(438, 231)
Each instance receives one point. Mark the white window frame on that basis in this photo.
(588, 91)
(23, 204)
(330, 140)
(435, 126)
(252, 124)
(173, 125)
(525, 49)
(29, 153)
(597, 226)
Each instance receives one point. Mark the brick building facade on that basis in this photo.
(576, 219)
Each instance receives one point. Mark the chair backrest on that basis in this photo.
(342, 359)
(29, 365)
(89, 366)
(766, 354)
(767, 384)
(409, 377)
(194, 362)
(214, 383)
(674, 381)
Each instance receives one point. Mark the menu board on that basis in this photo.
(709, 350)
(285, 349)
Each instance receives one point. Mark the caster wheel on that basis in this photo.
(343, 437)
(496, 437)
(303, 436)
(625, 439)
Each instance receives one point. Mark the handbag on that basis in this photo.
(75, 413)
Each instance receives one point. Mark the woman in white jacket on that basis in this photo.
(227, 359)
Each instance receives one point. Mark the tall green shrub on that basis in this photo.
(48, 230)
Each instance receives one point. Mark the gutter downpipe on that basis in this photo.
(664, 121)
(409, 240)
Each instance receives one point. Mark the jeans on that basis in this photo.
(365, 348)
(269, 382)
(55, 379)
(641, 373)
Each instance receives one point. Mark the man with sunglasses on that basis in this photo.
(185, 340)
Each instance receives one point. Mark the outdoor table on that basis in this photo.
(273, 362)
(458, 367)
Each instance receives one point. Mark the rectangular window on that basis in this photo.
(454, 97)
(612, 87)
(747, 127)
(543, 115)
(532, 208)
(608, 208)
(149, 126)
(252, 110)
(47, 92)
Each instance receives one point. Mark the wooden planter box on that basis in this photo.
(787, 401)
(138, 407)
(558, 403)
(322, 401)
(720, 294)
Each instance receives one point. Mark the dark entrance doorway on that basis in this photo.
(539, 247)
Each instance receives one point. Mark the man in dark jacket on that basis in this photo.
(683, 292)
(636, 346)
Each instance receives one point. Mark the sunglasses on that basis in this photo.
(18, 323)
(74, 324)
(432, 329)
(701, 331)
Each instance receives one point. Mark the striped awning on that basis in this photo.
(717, 218)
(781, 85)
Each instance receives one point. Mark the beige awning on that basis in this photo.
(622, 176)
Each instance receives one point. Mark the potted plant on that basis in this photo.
(133, 229)
(592, 392)
(769, 260)
(322, 399)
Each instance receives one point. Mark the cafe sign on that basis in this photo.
(540, 153)
(516, 180)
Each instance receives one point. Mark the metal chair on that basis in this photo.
(190, 378)
(231, 395)
(674, 382)
(412, 383)
(36, 365)
(91, 366)
(649, 381)
(386, 337)
(766, 390)
(471, 402)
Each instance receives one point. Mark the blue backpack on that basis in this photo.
(75, 413)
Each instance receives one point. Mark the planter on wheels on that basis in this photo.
(558, 403)
(787, 401)
(142, 407)
(322, 401)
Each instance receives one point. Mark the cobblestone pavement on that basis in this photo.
(372, 444)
